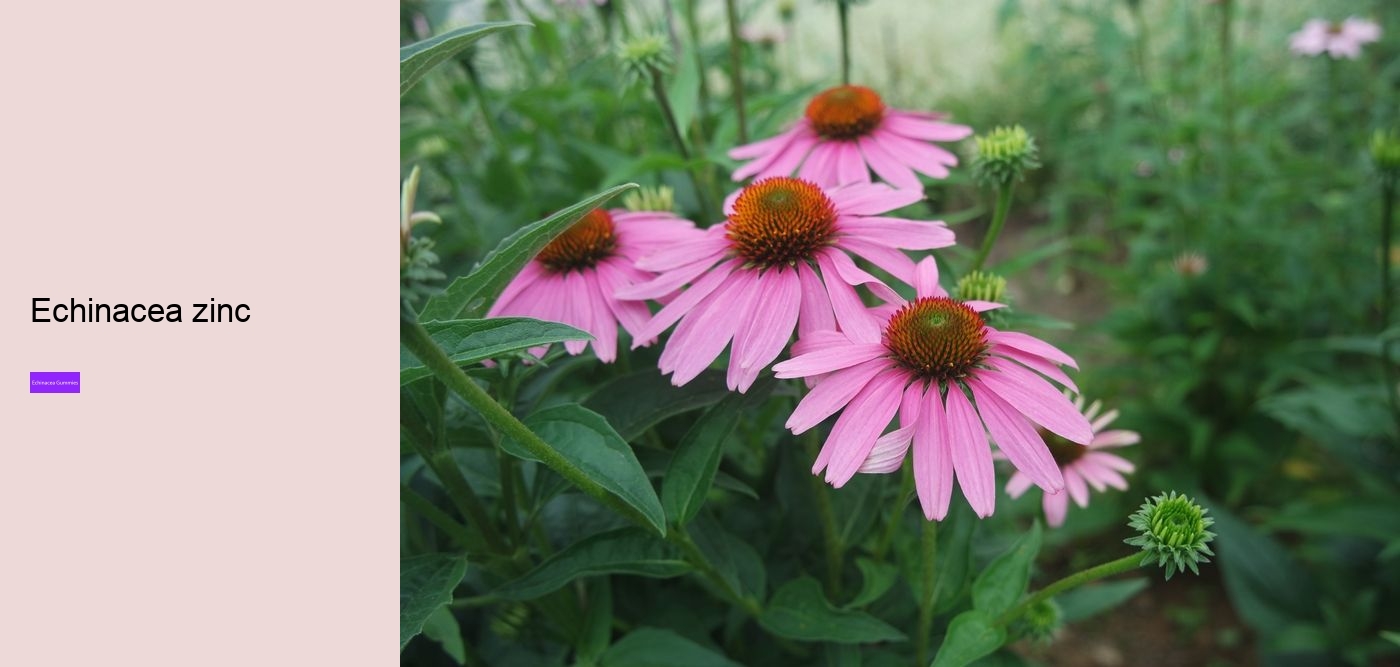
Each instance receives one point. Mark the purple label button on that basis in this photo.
(55, 383)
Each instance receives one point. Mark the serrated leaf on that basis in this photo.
(696, 460)
(474, 341)
(1004, 581)
(472, 294)
(634, 403)
(653, 647)
(1086, 601)
(876, 580)
(416, 59)
(971, 635)
(590, 444)
(622, 551)
(425, 584)
(800, 611)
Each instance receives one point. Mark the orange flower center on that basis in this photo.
(937, 338)
(780, 221)
(591, 240)
(845, 112)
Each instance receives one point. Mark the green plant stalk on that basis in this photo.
(906, 485)
(692, 27)
(1387, 237)
(736, 69)
(998, 221)
(843, 12)
(421, 345)
(521, 184)
(831, 538)
(658, 88)
(679, 537)
(928, 550)
(505, 464)
(445, 467)
(422, 507)
(1124, 564)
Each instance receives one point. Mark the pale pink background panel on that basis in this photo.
(218, 494)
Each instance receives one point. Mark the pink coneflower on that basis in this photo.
(846, 132)
(573, 279)
(948, 375)
(1082, 466)
(777, 263)
(1339, 40)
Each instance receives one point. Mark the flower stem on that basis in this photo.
(437, 517)
(1388, 183)
(998, 221)
(1124, 564)
(928, 550)
(736, 69)
(440, 460)
(1227, 94)
(416, 339)
(906, 485)
(831, 539)
(843, 13)
(663, 100)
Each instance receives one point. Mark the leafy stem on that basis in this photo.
(831, 538)
(1130, 562)
(928, 573)
(679, 537)
(736, 69)
(998, 221)
(663, 100)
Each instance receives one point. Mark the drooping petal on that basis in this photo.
(1103, 420)
(888, 454)
(1032, 345)
(1074, 485)
(858, 427)
(522, 282)
(817, 341)
(972, 457)
(820, 167)
(900, 232)
(1056, 506)
(919, 156)
(709, 247)
(763, 147)
(705, 331)
(851, 314)
(850, 166)
(1034, 397)
(914, 127)
(1016, 438)
(1115, 438)
(815, 313)
(891, 260)
(887, 167)
(855, 276)
(762, 337)
(933, 459)
(833, 394)
(672, 312)
(1111, 461)
(1018, 484)
(664, 284)
(632, 315)
(926, 278)
(829, 360)
(604, 327)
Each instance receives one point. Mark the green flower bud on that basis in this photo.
(1172, 531)
(1385, 150)
(981, 286)
(786, 9)
(1041, 620)
(659, 198)
(1004, 155)
(643, 55)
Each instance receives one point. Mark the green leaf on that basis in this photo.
(598, 621)
(952, 575)
(473, 341)
(425, 584)
(1004, 581)
(442, 628)
(587, 441)
(416, 59)
(472, 294)
(636, 402)
(971, 635)
(693, 466)
(876, 580)
(1086, 601)
(621, 551)
(732, 557)
(653, 647)
(799, 611)
(1268, 588)
(685, 88)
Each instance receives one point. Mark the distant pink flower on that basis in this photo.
(1082, 466)
(1339, 40)
(846, 132)
(781, 261)
(925, 349)
(573, 279)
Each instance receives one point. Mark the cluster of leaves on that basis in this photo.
(1174, 128)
